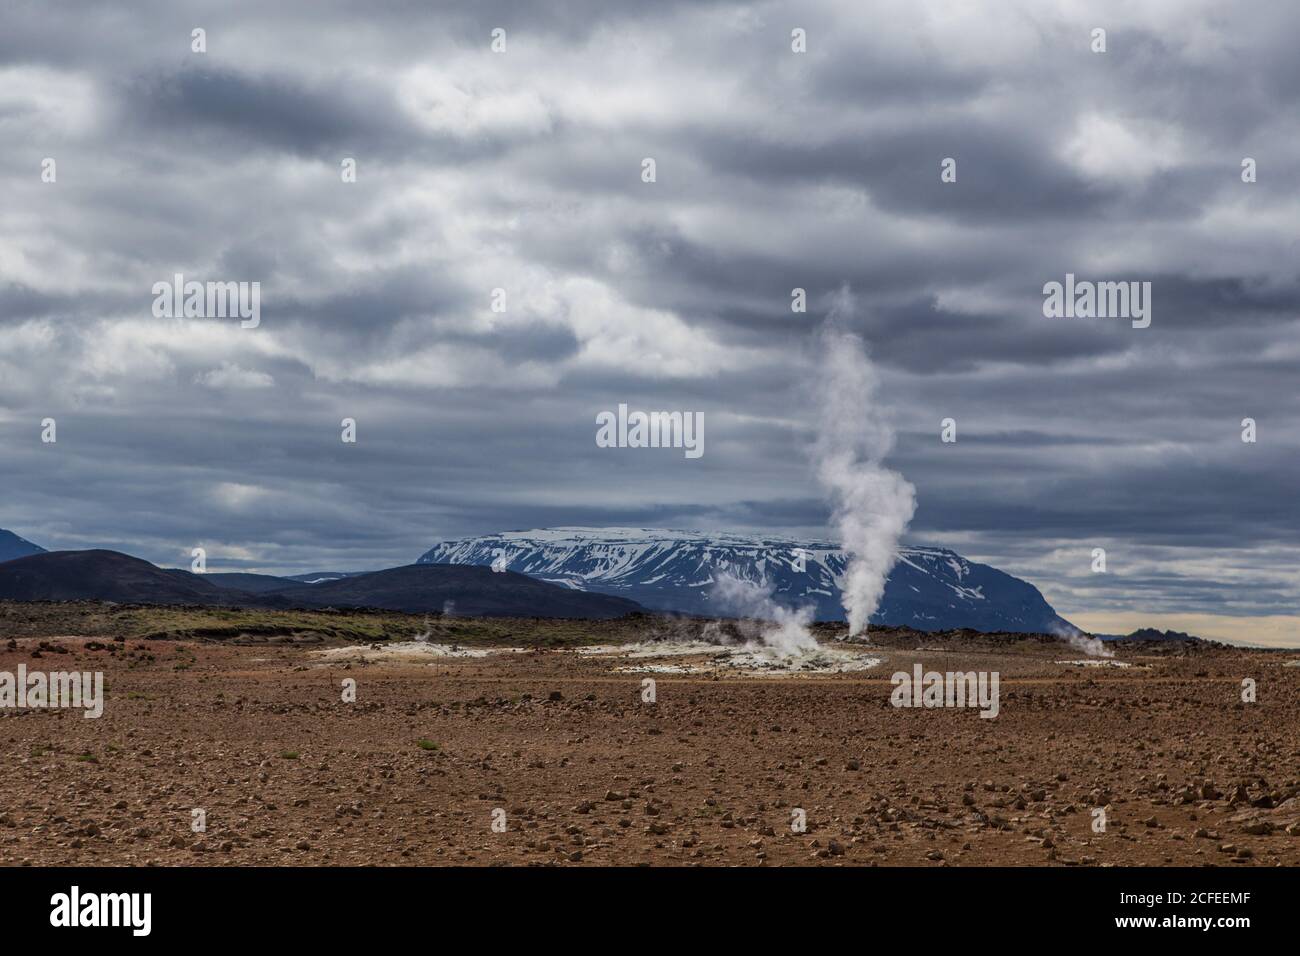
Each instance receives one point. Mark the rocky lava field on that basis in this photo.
(559, 748)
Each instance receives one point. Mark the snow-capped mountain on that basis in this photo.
(929, 589)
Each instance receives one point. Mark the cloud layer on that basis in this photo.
(522, 171)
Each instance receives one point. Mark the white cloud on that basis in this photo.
(1124, 149)
(232, 376)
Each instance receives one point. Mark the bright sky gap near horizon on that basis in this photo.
(775, 170)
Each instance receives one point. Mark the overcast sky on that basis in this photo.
(522, 170)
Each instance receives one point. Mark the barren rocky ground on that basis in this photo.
(258, 736)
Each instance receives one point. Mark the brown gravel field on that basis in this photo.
(560, 748)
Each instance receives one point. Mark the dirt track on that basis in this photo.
(587, 773)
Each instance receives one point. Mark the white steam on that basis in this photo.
(871, 504)
(784, 630)
(1092, 646)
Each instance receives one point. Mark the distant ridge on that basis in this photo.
(316, 577)
(473, 591)
(1151, 634)
(569, 572)
(246, 581)
(102, 576)
(99, 575)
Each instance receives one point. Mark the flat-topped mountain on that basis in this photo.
(930, 589)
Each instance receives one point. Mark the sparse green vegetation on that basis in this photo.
(289, 754)
(427, 745)
(136, 623)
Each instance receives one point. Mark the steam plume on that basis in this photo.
(1092, 646)
(871, 504)
(785, 631)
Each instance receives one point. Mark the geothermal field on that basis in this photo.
(269, 738)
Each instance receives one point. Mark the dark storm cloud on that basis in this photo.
(19, 302)
(776, 170)
(379, 299)
(276, 113)
(1010, 176)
